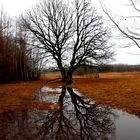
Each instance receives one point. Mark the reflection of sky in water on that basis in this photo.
(44, 96)
(77, 118)
(48, 89)
(126, 125)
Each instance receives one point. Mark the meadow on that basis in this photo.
(119, 90)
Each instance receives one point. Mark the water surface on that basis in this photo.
(74, 118)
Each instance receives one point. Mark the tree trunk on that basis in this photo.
(66, 76)
(69, 78)
(63, 74)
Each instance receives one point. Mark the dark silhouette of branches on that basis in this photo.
(75, 118)
(70, 34)
(132, 34)
(134, 5)
(17, 61)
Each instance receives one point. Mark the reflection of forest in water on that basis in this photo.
(76, 118)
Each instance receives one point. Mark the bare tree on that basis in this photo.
(28, 64)
(71, 34)
(134, 33)
(6, 69)
(17, 62)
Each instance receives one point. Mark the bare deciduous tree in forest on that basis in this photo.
(71, 34)
(6, 68)
(17, 61)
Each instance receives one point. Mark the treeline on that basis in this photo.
(17, 60)
(119, 68)
(86, 69)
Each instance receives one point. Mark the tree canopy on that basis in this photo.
(69, 33)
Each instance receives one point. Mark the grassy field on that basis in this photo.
(17, 94)
(120, 90)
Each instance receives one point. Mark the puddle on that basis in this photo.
(76, 118)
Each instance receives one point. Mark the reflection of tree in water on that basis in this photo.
(77, 118)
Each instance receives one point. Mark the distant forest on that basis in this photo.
(120, 68)
(87, 69)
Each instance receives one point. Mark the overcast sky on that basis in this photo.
(116, 7)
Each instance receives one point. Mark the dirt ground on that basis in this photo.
(120, 90)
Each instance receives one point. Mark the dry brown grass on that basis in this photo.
(120, 90)
(17, 94)
(50, 76)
